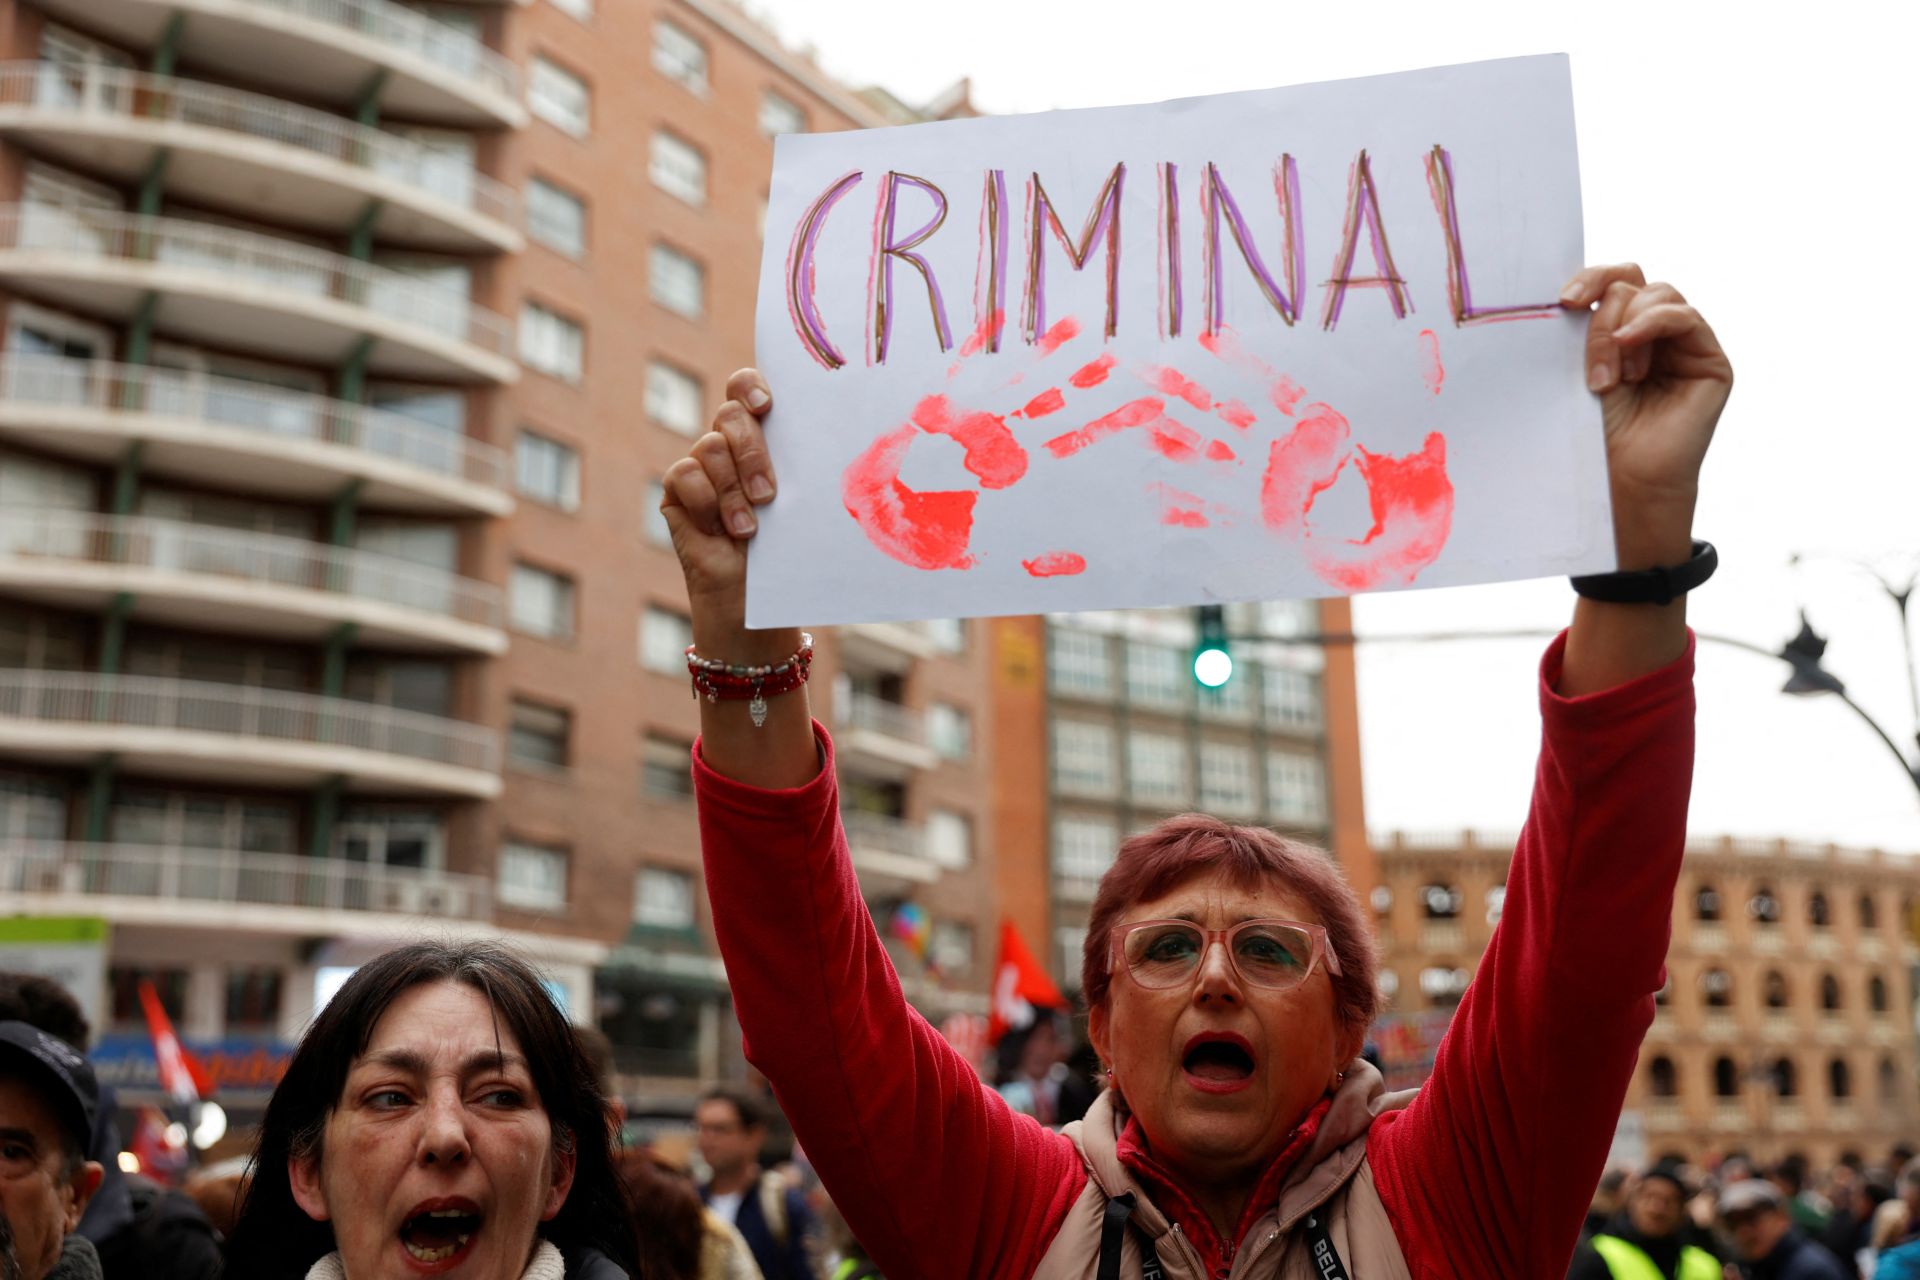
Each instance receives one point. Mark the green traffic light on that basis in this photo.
(1213, 667)
(1212, 664)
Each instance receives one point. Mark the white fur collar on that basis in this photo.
(546, 1265)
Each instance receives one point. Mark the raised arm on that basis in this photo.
(1492, 1168)
(936, 1176)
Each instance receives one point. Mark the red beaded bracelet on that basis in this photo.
(733, 682)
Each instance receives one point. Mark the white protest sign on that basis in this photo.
(1289, 343)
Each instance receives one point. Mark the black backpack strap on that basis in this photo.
(1113, 1230)
(1326, 1259)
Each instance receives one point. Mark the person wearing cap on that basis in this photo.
(47, 1099)
(1648, 1239)
(1770, 1246)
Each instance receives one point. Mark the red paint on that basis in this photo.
(1285, 393)
(1093, 373)
(989, 325)
(992, 452)
(1175, 441)
(1300, 466)
(1134, 413)
(1048, 401)
(1412, 503)
(1221, 451)
(1175, 383)
(1236, 414)
(1062, 332)
(1055, 564)
(1435, 372)
(1212, 341)
(921, 530)
(1185, 518)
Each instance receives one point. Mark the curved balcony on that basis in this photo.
(161, 884)
(328, 51)
(268, 441)
(239, 735)
(256, 156)
(889, 854)
(247, 292)
(881, 738)
(194, 575)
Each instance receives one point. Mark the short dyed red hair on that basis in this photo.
(1162, 859)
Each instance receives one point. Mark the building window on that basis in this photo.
(559, 97)
(1726, 1078)
(1496, 903)
(1840, 1080)
(1778, 994)
(551, 343)
(1290, 698)
(537, 736)
(666, 768)
(678, 167)
(1157, 769)
(1662, 1080)
(1706, 904)
(1441, 901)
(581, 9)
(950, 730)
(674, 398)
(1869, 912)
(1830, 1001)
(659, 533)
(533, 876)
(1763, 906)
(1079, 662)
(951, 948)
(664, 637)
(1786, 1078)
(679, 56)
(1157, 676)
(253, 999)
(677, 282)
(1226, 779)
(1083, 758)
(663, 899)
(169, 984)
(1083, 848)
(1819, 914)
(949, 839)
(1889, 1083)
(546, 471)
(1877, 993)
(1717, 989)
(1387, 983)
(556, 218)
(1443, 987)
(949, 635)
(1296, 788)
(540, 602)
(778, 115)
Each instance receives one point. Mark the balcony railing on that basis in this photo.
(255, 259)
(192, 706)
(57, 383)
(448, 48)
(97, 91)
(235, 877)
(886, 834)
(175, 546)
(890, 719)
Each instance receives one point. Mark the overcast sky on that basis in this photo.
(1752, 159)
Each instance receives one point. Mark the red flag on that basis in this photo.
(1019, 983)
(184, 1079)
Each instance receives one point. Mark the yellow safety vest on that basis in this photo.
(1630, 1262)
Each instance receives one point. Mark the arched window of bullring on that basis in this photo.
(1706, 904)
(1839, 1079)
(1869, 913)
(1496, 903)
(1662, 1081)
(1829, 993)
(1717, 987)
(1877, 993)
(1779, 995)
(1726, 1078)
(1818, 912)
(1763, 906)
(1440, 901)
(1889, 1083)
(1786, 1077)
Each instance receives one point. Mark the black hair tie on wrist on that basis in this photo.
(1662, 585)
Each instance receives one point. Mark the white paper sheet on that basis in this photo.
(1202, 410)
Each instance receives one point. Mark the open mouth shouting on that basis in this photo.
(439, 1234)
(1218, 1062)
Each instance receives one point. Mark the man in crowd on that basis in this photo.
(1649, 1237)
(731, 1125)
(1771, 1247)
(47, 1100)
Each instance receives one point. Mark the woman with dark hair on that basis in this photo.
(1229, 972)
(437, 1119)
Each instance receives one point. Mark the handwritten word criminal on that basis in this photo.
(1281, 286)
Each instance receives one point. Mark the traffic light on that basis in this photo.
(1212, 663)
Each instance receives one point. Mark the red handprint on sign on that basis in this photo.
(1307, 447)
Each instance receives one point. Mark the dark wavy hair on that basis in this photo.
(275, 1238)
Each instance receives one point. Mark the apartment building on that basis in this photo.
(344, 345)
(1787, 1022)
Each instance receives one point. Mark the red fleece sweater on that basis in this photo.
(1488, 1173)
